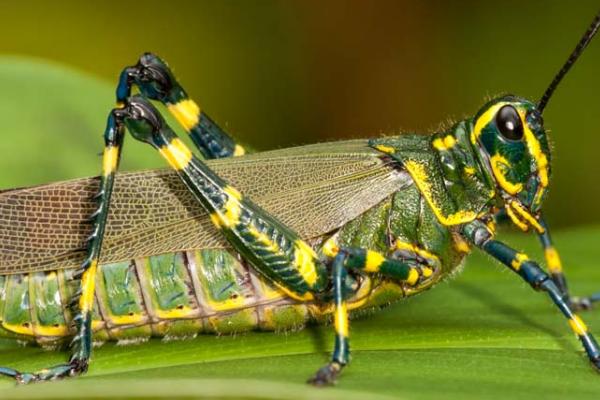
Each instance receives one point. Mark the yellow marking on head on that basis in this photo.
(330, 247)
(444, 144)
(498, 163)
(177, 154)
(417, 171)
(578, 326)
(239, 151)
(134, 319)
(469, 170)
(553, 260)
(120, 104)
(516, 206)
(60, 330)
(186, 112)
(176, 313)
(485, 119)
(88, 287)
(373, 261)
(538, 196)
(304, 260)
(519, 259)
(413, 277)
(385, 149)
(341, 320)
(110, 159)
(427, 272)
(533, 145)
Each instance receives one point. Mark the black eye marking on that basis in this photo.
(509, 123)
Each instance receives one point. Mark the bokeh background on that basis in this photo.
(283, 73)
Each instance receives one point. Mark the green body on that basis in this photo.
(206, 289)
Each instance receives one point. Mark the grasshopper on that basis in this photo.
(332, 228)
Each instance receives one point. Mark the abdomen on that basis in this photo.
(172, 295)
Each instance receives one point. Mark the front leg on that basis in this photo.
(556, 272)
(539, 280)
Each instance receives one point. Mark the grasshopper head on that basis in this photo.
(510, 136)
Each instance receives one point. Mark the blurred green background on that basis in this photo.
(282, 73)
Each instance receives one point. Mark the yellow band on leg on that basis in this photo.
(88, 287)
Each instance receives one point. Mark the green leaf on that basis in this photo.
(53, 118)
(482, 334)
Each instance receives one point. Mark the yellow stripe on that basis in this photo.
(22, 329)
(186, 112)
(59, 330)
(519, 259)
(110, 160)
(553, 260)
(373, 261)
(444, 144)
(176, 313)
(304, 260)
(528, 217)
(229, 215)
(484, 119)
(523, 226)
(413, 277)
(432, 258)
(88, 286)
(264, 239)
(330, 247)
(470, 170)
(341, 320)
(133, 319)
(233, 192)
(177, 154)
(216, 219)
(385, 149)
(536, 151)
(239, 151)
(461, 245)
(498, 164)
(417, 171)
(578, 326)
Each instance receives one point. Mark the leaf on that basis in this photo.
(53, 118)
(483, 334)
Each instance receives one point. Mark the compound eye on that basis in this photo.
(509, 123)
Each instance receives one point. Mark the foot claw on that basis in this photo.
(581, 303)
(327, 375)
(73, 368)
(25, 378)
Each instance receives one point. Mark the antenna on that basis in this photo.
(583, 42)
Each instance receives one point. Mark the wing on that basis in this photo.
(313, 189)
